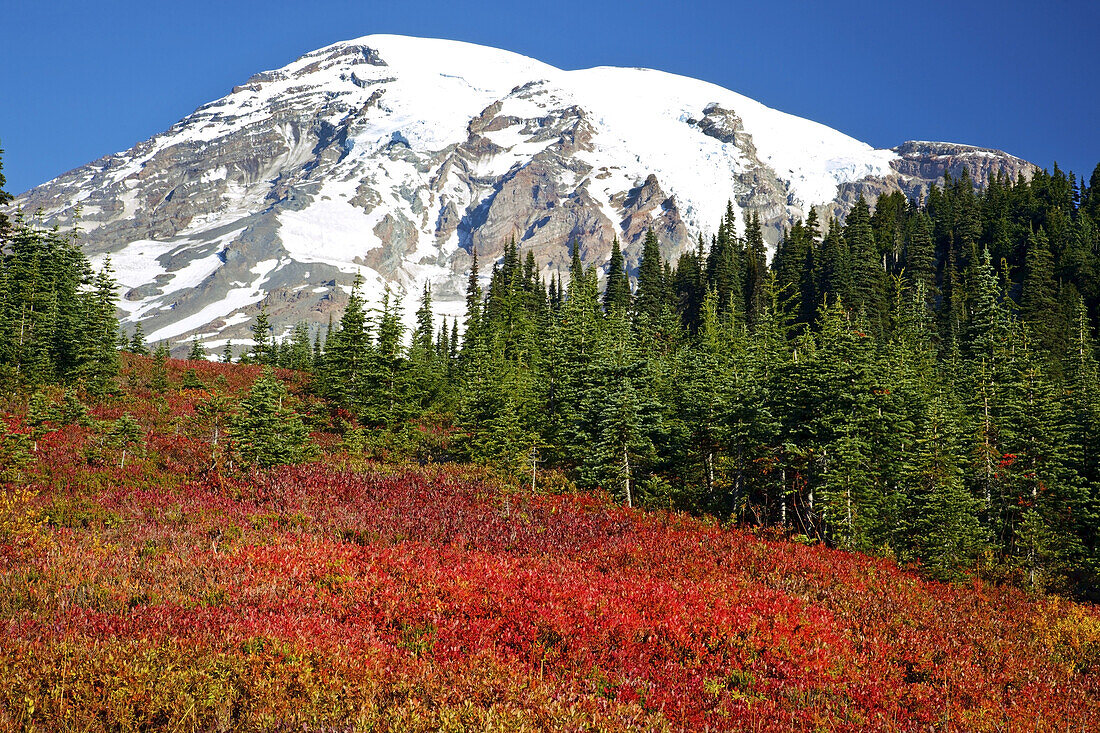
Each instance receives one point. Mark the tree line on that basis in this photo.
(919, 380)
(57, 315)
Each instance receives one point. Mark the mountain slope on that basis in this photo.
(354, 595)
(396, 157)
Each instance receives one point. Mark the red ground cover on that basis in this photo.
(343, 595)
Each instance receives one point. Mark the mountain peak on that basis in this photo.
(396, 157)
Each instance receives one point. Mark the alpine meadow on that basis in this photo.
(420, 386)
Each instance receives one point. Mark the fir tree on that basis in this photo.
(138, 341)
(867, 276)
(1039, 306)
(263, 350)
(347, 353)
(649, 299)
(920, 266)
(158, 380)
(297, 353)
(617, 290)
(756, 270)
(126, 436)
(942, 529)
(267, 431)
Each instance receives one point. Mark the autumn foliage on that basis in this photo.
(171, 591)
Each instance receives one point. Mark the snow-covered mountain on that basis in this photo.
(396, 157)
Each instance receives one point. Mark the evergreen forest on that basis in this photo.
(918, 381)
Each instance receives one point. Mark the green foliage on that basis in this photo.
(126, 436)
(266, 430)
(263, 339)
(616, 294)
(57, 317)
(15, 453)
(907, 383)
(158, 381)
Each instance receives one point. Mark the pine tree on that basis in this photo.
(1039, 306)
(617, 290)
(263, 350)
(126, 434)
(941, 527)
(196, 353)
(267, 431)
(649, 299)
(756, 270)
(347, 353)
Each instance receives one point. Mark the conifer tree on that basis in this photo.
(920, 266)
(941, 523)
(867, 276)
(297, 353)
(158, 380)
(385, 395)
(267, 431)
(689, 287)
(124, 435)
(347, 353)
(617, 290)
(649, 299)
(756, 270)
(426, 358)
(97, 355)
(1039, 306)
(137, 341)
(832, 276)
(263, 350)
(620, 417)
(724, 267)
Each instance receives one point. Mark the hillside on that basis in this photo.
(399, 158)
(166, 590)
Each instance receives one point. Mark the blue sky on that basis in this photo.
(79, 80)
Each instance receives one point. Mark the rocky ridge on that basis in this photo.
(396, 158)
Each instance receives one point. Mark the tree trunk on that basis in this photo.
(783, 498)
(626, 476)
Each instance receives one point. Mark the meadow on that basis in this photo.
(168, 589)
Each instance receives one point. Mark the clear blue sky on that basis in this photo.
(79, 80)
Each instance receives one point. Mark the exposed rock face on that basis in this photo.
(930, 162)
(396, 158)
(921, 164)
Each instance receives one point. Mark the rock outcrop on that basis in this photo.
(396, 158)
